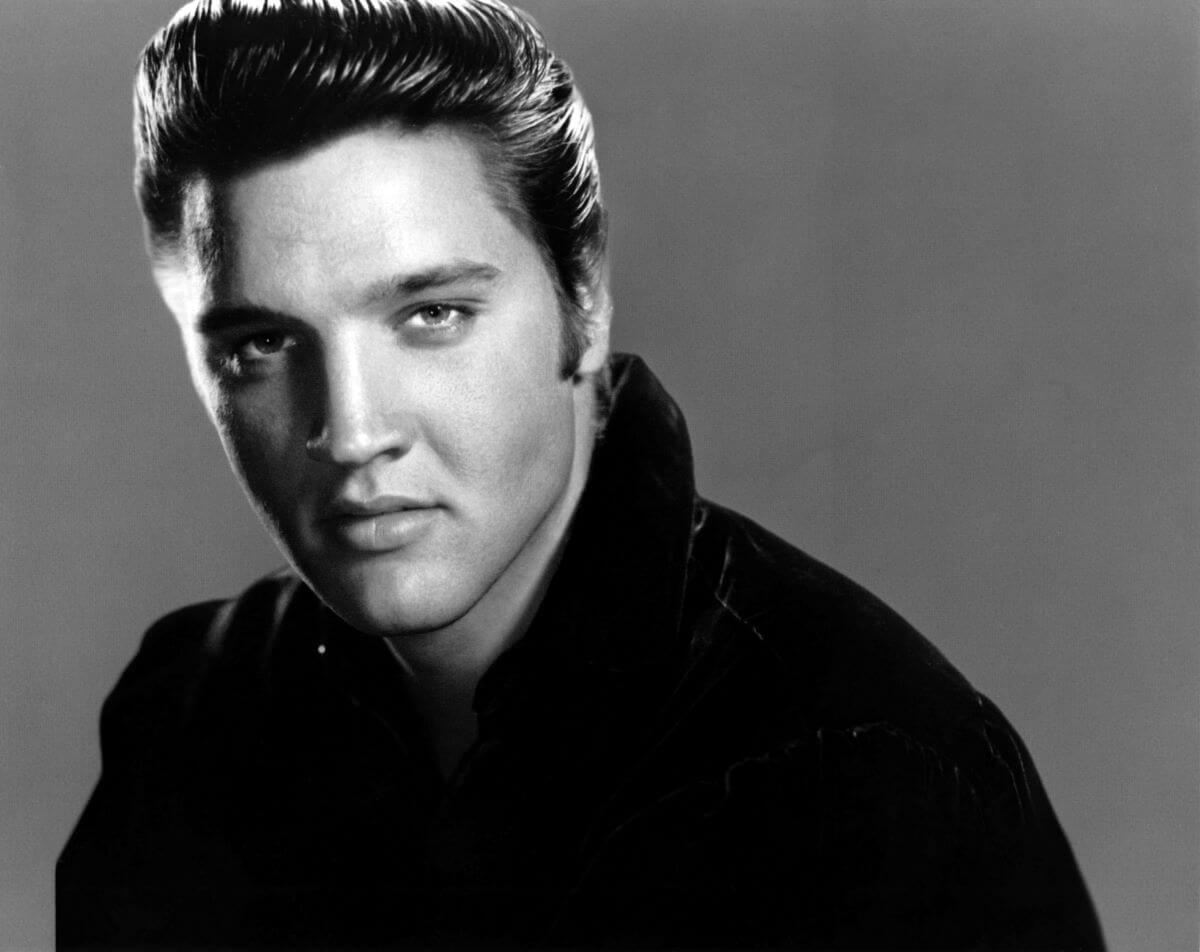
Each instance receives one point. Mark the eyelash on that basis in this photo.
(232, 360)
(449, 327)
(285, 341)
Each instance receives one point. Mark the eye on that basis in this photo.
(251, 355)
(262, 346)
(436, 323)
(434, 316)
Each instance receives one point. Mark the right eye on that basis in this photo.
(250, 355)
(260, 347)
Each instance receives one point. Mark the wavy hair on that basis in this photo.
(228, 85)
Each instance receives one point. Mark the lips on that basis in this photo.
(379, 524)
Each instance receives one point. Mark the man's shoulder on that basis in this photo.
(838, 655)
(201, 647)
(813, 736)
(222, 627)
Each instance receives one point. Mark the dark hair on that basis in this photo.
(230, 84)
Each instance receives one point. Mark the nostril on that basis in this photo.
(317, 445)
(354, 443)
(342, 445)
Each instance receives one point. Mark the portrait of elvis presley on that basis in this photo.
(520, 686)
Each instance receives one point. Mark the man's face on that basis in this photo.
(378, 346)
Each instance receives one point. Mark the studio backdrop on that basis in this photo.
(922, 276)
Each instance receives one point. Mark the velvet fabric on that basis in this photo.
(706, 739)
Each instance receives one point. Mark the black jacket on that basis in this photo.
(706, 739)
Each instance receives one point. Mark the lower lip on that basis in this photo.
(384, 532)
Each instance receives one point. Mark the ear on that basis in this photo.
(598, 304)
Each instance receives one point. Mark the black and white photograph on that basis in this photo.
(626, 474)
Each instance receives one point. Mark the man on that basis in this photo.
(520, 685)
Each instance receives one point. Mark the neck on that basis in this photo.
(444, 666)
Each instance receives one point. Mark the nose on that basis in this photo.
(357, 419)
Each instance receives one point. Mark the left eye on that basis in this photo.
(437, 316)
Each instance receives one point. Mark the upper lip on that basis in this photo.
(347, 508)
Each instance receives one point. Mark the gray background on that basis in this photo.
(923, 277)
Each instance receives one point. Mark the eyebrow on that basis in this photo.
(223, 318)
(227, 317)
(431, 279)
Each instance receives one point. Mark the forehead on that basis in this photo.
(371, 200)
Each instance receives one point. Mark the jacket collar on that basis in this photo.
(627, 556)
(614, 604)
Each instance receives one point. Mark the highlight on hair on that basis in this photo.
(228, 85)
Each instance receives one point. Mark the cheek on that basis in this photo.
(515, 433)
(256, 437)
(538, 444)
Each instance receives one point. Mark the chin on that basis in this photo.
(392, 622)
(384, 608)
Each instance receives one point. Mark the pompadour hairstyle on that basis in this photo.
(230, 84)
